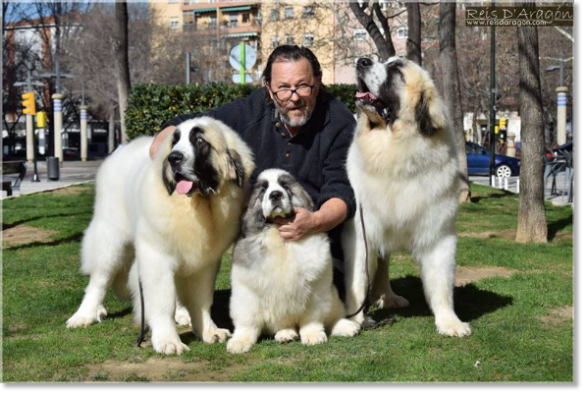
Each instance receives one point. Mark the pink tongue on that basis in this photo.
(365, 95)
(183, 187)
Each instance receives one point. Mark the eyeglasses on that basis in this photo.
(286, 94)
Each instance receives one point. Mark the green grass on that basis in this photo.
(42, 288)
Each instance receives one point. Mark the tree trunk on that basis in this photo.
(112, 129)
(122, 63)
(532, 225)
(383, 43)
(413, 49)
(452, 90)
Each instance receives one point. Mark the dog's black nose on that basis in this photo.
(364, 62)
(275, 195)
(175, 157)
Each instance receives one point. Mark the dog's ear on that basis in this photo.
(167, 177)
(236, 171)
(301, 196)
(429, 114)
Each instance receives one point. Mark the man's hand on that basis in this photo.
(305, 223)
(159, 139)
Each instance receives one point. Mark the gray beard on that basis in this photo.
(297, 123)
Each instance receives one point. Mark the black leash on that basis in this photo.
(143, 329)
(366, 264)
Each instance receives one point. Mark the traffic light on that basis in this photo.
(502, 123)
(28, 102)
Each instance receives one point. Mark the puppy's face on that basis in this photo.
(275, 194)
(199, 160)
(397, 90)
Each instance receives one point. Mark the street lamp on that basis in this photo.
(561, 103)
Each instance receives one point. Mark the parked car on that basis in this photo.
(478, 162)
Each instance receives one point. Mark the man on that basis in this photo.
(294, 124)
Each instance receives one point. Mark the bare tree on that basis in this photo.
(121, 61)
(373, 20)
(532, 225)
(452, 91)
(413, 49)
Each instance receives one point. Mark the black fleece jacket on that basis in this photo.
(316, 155)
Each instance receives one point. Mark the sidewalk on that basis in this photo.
(70, 173)
(559, 198)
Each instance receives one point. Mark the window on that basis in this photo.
(212, 20)
(360, 34)
(275, 41)
(402, 32)
(174, 23)
(233, 20)
(289, 40)
(275, 14)
(246, 17)
(308, 12)
(289, 13)
(188, 18)
(308, 40)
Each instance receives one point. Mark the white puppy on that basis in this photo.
(279, 287)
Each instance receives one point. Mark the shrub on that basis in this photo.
(152, 105)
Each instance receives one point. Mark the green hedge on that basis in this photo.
(152, 105)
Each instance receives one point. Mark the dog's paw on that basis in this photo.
(239, 345)
(182, 317)
(287, 335)
(454, 328)
(313, 338)
(345, 328)
(169, 346)
(385, 301)
(215, 335)
(84, 319)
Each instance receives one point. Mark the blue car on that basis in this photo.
(478, 162)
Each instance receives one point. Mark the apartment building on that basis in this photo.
(328, 27)
(213, 29)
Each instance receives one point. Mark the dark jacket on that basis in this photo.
(316, 156)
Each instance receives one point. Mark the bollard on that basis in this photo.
(53, 168)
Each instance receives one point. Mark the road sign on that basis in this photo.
(248, 59)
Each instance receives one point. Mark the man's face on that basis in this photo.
(290, 74)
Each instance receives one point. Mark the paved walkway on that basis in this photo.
(77, 172)
(71, 173)
(559, 198)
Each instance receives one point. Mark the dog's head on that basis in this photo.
(275, 194)
(401, 90)
(202, 155)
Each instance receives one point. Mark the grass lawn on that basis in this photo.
(517, 297)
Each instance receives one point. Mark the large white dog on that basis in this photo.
(175, 216)
(403, 168)
(279, 287)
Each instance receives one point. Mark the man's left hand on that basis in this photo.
(304, 223)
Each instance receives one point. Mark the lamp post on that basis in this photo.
(561, 103)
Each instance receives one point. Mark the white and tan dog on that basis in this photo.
(403, 168)
(174, 216)
(279, 287)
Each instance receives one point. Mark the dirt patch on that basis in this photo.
(558, 315)
(465, 275)
(69, 191)
(508, 234)
(22, 235)
(161, 370)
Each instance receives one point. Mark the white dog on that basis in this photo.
(175, 216)
(402, 165)
(281, 287)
